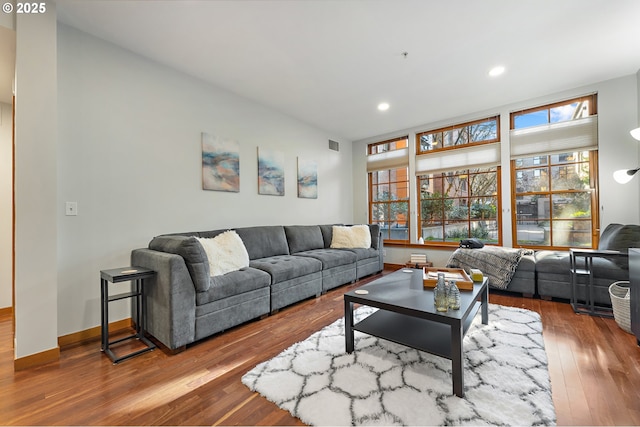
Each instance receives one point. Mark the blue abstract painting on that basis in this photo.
(220, 164)
(307, 179)
(270, 172)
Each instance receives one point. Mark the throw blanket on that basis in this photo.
(495, 262)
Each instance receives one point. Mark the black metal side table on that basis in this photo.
(137, 275)
(585, 269)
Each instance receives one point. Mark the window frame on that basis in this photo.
(593, 108)
(371, 150)
(593, 179)
(469, 197)
(442, 130)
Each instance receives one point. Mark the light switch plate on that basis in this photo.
(71, 208)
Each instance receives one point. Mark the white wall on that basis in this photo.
(35, 184)
(6, 206)
(129, 154)
(618, 104)
(7, 20)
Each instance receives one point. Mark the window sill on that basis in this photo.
(434, 246)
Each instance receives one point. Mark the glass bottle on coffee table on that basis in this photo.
(440, 295)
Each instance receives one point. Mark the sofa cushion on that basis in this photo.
(225, 253)
(234, 283)
(617, 237)
(607, 235)
(263, 242)
(355, 236)
(554, 262)
(375, 235)
(527, 263)
(559, 262)
(327, 234)
(192, 253)
(331, 258)
(303, 238)
(362, 253)
(287, 267)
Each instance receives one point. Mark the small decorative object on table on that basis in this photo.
(454, 296)
(440, 294)
(418, 261)
(476, 275)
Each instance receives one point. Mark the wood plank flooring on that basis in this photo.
(594, 367)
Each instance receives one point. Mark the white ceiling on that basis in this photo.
(330, 62)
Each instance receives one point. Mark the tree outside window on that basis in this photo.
(459, 204)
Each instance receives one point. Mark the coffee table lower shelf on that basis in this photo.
(421, 334)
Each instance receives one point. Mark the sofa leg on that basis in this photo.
(545, 298)
(526, 295)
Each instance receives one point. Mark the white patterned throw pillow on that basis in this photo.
(226, 253)
(355, 236)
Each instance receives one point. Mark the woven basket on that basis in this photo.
(620, 301)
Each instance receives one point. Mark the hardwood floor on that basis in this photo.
(594, 367)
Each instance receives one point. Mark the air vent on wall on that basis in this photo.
(333, 145)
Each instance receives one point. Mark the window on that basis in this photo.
(554, 175)
(392, 145)
(480, 131)
(460, 204)
(458, 176)
(560, 112)
(389, 188)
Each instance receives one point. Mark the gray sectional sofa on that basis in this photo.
(287, 264)
(548, 273)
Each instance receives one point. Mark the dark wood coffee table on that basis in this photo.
(407, 316)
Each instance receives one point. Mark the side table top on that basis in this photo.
(126, 273)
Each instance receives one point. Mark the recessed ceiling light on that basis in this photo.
(383, 106)
(496, 71)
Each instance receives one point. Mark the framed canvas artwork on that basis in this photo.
(307, 179)
(270, 172)
(220, 164)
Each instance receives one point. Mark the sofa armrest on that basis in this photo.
(379, 243)
(170, 297)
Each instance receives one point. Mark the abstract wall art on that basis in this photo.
(270, 172)
(307, 179)
(220, 164)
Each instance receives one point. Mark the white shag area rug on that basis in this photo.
(506, 380)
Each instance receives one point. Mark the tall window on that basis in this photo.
(554, 175)
(460, 204)
(389, 188)
(458, 182)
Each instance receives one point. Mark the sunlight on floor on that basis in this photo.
(164, 393)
